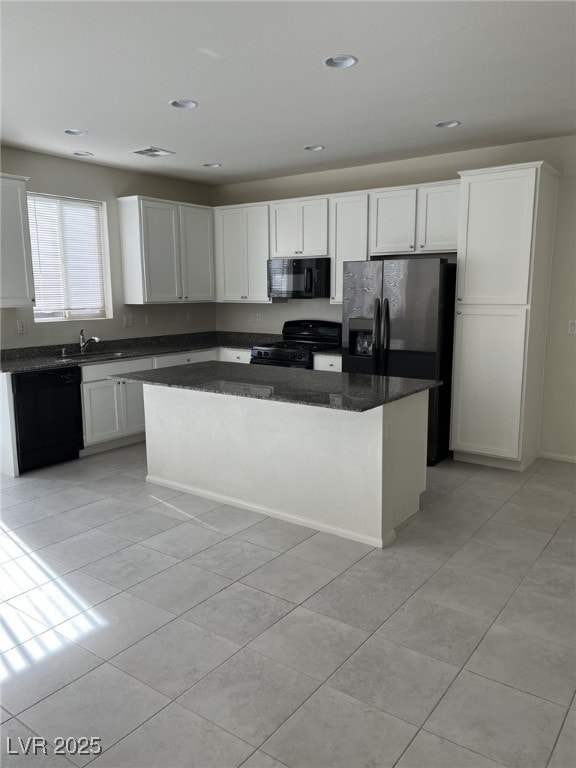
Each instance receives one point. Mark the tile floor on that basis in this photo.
(178, 632)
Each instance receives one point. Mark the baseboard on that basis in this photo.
(558, 457)
(110, 445)
(224, 499)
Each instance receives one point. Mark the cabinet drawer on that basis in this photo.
(184, 358)
(103, 370)
(229, 355)
(327, 363)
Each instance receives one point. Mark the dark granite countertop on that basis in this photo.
(39, 358)
(341, 391)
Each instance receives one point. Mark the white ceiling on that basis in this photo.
(506, 70)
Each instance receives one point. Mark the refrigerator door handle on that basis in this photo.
(308, 280)
(385, 338)
(376, 337)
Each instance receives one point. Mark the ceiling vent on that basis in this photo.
(153, 152)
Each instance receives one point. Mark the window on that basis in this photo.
(70, 272)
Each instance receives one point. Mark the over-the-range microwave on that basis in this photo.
(299, 278)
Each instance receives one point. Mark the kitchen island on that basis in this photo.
(342, 453)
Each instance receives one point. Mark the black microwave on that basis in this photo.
(299, 278)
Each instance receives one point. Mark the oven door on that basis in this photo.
(299, 278)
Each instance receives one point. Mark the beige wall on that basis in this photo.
(559, 416)
(76, 178)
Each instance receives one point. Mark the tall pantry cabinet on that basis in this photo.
(506, 234)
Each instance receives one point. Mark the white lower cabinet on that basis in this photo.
(327, 362)
(185, 358)
(230, 355)
(488, 380)
(112, 409)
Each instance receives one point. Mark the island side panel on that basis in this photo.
(314, 466)
(404, 459)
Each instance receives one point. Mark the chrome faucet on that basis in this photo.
(84, 343)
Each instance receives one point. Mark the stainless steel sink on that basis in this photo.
(88, 357)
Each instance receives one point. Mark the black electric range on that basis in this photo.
(300, 339)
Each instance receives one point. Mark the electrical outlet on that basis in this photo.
(22, 326)
(258, 317)
(572, 326)
(188, 317)
(128, 321)
(147, 319)
(252, 317)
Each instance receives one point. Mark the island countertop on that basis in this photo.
(340, 391)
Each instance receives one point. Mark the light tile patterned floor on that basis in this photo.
(183, 633)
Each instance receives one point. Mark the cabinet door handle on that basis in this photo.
(297, 251)
(458, 312)
(411, 247)
(421, 246)
(459, 299)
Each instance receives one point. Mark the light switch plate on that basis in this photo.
(128, 321)
(22, 326)
(572, 326)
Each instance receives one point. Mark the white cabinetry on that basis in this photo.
(242, 249)
(299, 228)
(167, 252)
(185, 358)
(230, 355)
(487, 397)
(16, 278)
(112, 409)
(504, 260)
(327, 362)
(421, 219)
(348, 236)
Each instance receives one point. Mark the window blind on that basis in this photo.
(67, 257)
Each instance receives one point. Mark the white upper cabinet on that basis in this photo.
(16, 278)
(242, 248)
(392, 221)
(420, 219)
(496, 222)
(167, 251)
(299, 228)
(197, 249)
(437, 217)
(348, 237)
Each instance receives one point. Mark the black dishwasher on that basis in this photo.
(48, 416)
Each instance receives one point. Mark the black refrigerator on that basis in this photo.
(398, 320)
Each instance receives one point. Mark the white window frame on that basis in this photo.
(68, 315)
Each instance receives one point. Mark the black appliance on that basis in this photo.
(299, 278)
(398, 320)
(48, 416)
(300, 339)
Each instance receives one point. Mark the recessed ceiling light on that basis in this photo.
(314, 148)
(75, 132)
(340, 61)
(212, 165)
(83, 154)
(448, 124)
(183, 103)
(153, 152)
